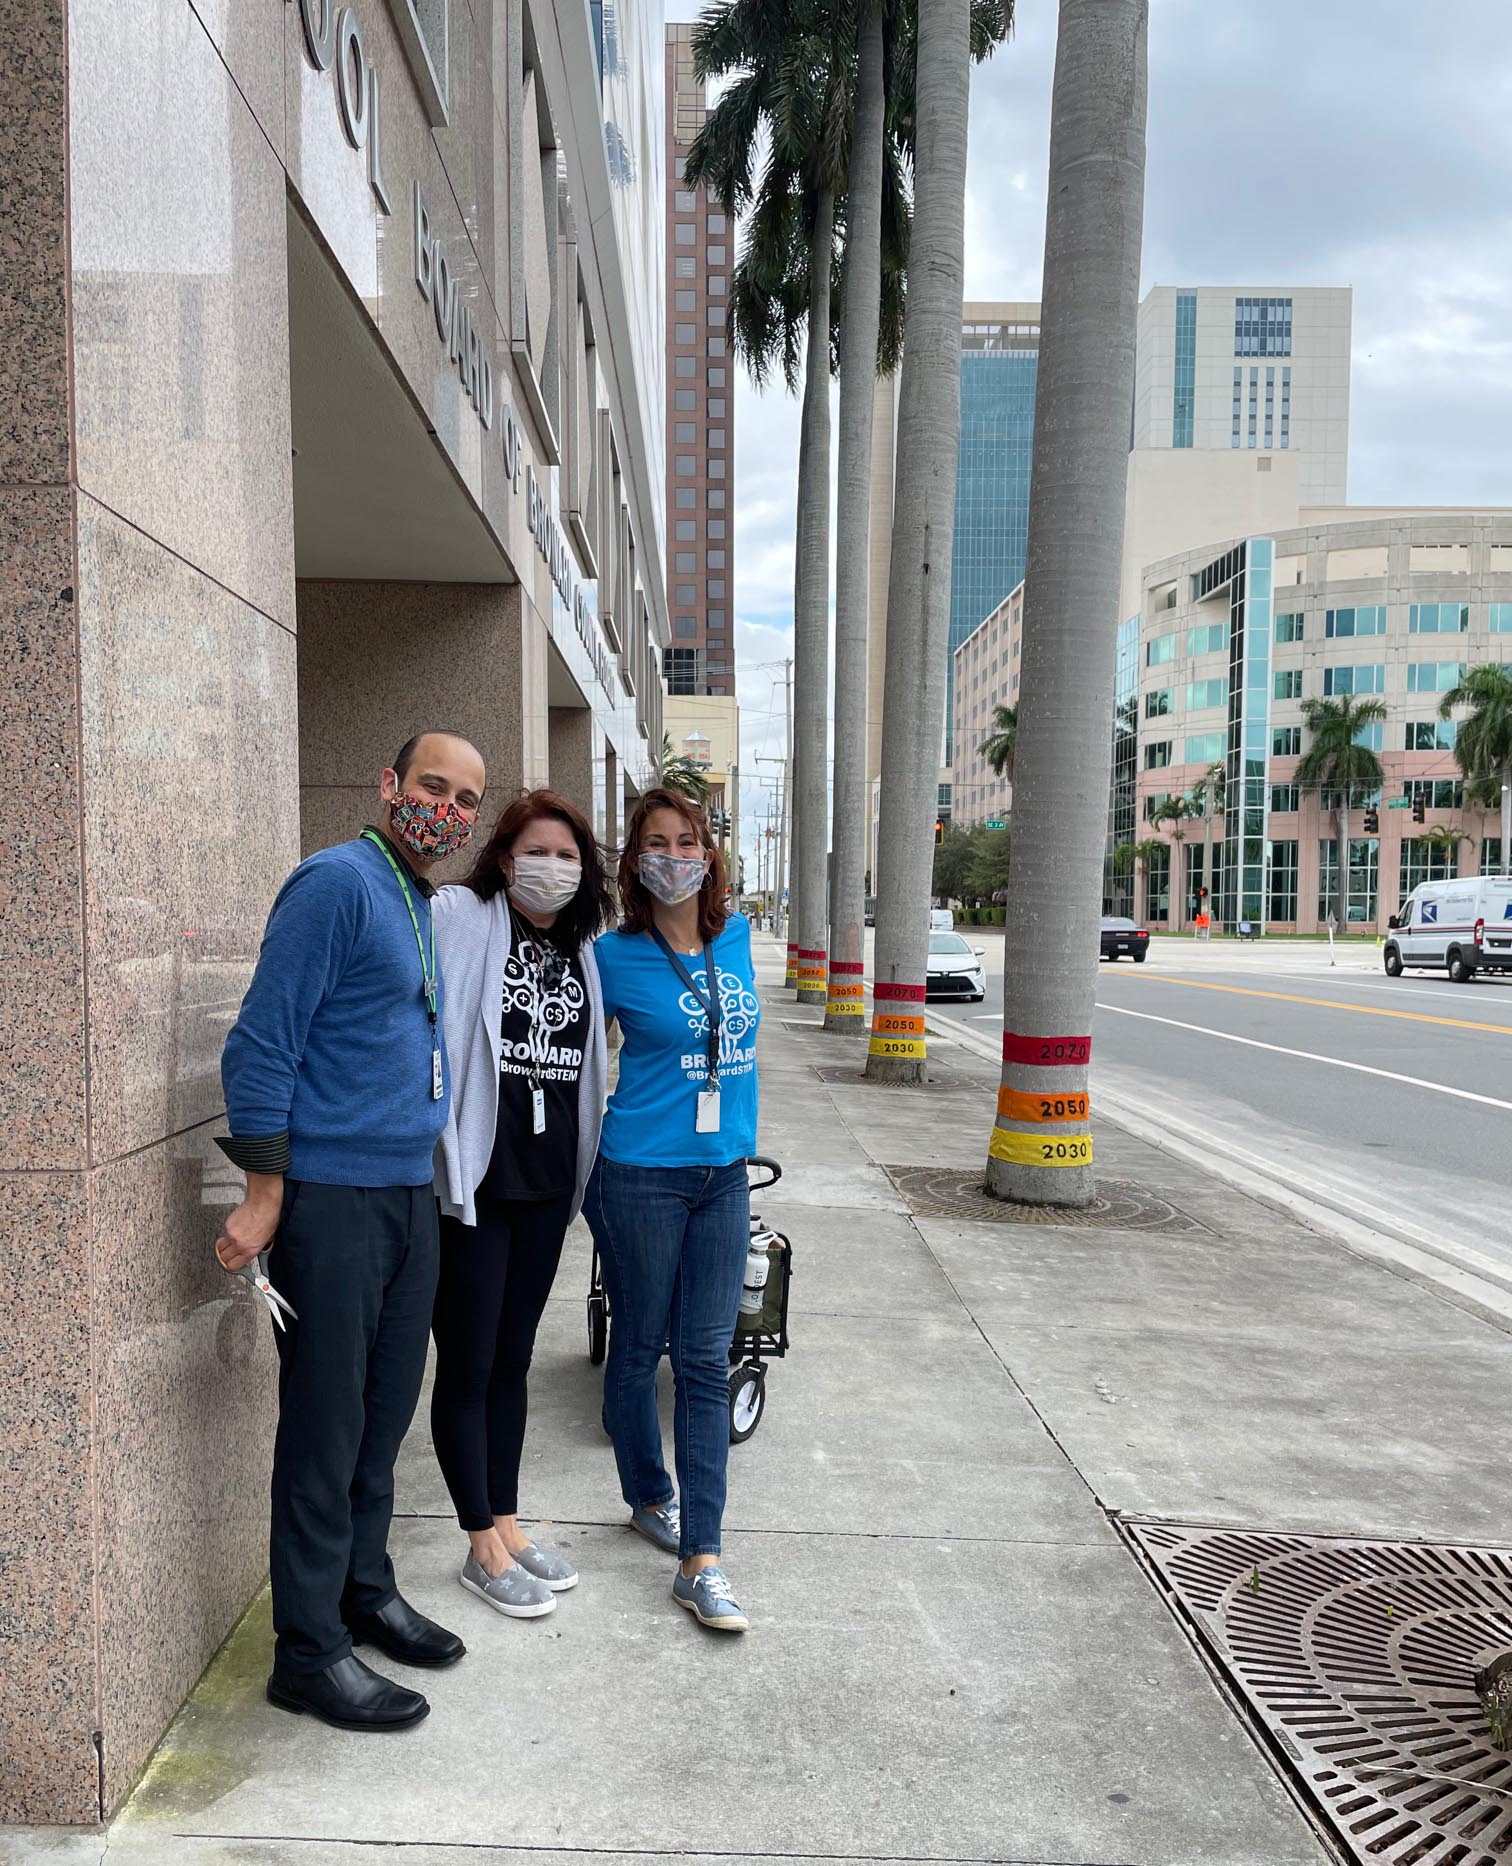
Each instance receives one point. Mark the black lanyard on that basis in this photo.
(709, 1001)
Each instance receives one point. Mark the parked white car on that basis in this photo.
(1464, 926)
(954, 969)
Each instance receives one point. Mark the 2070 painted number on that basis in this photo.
(1066, 1050)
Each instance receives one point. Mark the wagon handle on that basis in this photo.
(765, 1165)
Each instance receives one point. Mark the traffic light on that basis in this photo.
(1372, 823)
(1418, 810)
(939, 829)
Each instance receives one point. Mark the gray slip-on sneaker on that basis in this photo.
(709, 1597)
(663, 1525)
(515, 1592)
(546, 1565)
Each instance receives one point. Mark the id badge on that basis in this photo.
(438, 1084)
(538, 1111)
(708, 1112)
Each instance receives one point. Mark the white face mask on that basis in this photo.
(544, 884)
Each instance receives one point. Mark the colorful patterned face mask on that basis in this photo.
(673, 878)
(429, 830)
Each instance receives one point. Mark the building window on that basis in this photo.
(1368, 619)
(1159, 703)
(1238, 402)
(1436, 793)
(1431, 735)
(687, 497)
(1369, 679)
(1161, 650)
(681, 667)
(716, 437)
(1281, 891)
(1500, 618)
(1364, 859)
(716, 560)
(716, 285)
(715, 255)
(687, 593)
(687, 433)
(1157, 755)
(716, 408)
(1262, 327)
(687, 333)
(1184, 398)
(687, 563)
(685, 625)
(716, 528)
(1372, 736)
(1270, 407)
(687, 466)
(686, 233)
(1288, 684)
(1286, 742)
(1286, 407)
(1152, 804)
(1285, 799)
(1289, 628)
(1422, 861)
(685, 301)
(714, 314)
(715, 346)
(686, 203)
(1254, 403)
(716, 223)
(716, 618)
(1213, 638)
(686, 400)
(687, 530)
(716, 589)
(685, 267)
(716, 378)
(1434, 676)
(1438, 619)
(1491, 856)
(1201, 694)
(716, 499)
(716, 469)
(685, 366)
(1206, 748)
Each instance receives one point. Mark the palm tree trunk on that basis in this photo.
(1178, 871)
(1344, 863)
(1506, 821)
(1207, 849)
(860, 315)
(918, 591)
(1071, 581)
(811, 623)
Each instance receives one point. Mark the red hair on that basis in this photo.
(635, 896)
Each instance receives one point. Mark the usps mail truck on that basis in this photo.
(1461, 927)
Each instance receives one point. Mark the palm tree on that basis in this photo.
(1483, 744)
(682, 774)
(1145, 853)
(1444, 842)
(1335, 760)
(1213, 792)
(1076, 503)
(1176, 811)
(997, 747)
(860, 326)
(918, 592)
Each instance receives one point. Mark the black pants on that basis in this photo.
(495, 1278)
(358, 1263)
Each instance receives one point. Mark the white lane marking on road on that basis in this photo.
(1310, 1056)
(1455, 994)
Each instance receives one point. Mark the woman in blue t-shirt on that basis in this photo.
(668, 1201)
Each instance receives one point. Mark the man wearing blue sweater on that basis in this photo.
(336, 1092)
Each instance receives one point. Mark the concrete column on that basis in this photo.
(570, 761)
(379, 662)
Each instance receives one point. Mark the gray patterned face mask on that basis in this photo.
(673, 878)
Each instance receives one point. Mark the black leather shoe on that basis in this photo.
(405, 1635)
(349, 1695)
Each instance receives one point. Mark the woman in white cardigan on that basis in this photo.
(525, 1039)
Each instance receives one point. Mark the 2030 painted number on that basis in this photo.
(1065, 1150)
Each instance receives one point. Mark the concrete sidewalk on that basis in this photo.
(954, 1655)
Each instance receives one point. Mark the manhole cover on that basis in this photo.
(1358, 1658)
(948, 1192)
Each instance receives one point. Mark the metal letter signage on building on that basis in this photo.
(336, 38)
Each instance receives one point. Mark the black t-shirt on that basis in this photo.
(544, 1035)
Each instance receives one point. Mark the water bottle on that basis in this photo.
(753, 1293)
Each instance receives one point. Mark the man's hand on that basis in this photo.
(250, 1228)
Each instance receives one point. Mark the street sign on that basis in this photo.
(996, 822)
(1399, 803)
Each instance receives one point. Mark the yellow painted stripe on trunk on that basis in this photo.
(896, 1046)
(1030, 1150)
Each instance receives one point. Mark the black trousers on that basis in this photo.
(495, 1278)
(358, 1263)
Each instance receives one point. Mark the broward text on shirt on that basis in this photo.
(739, 1011)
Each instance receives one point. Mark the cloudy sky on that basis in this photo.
(1297, 142)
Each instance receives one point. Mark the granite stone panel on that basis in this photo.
(571, 739)
(190, 776)
(186, 1403)
(34, 440)
(42, 1088)
(48, 1707)
(180, 300)
(249, 35)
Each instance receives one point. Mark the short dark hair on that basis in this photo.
(406, 756)
(589, 911)
(635, 897)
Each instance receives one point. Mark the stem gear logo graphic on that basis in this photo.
(539, 984)
(739, 1013)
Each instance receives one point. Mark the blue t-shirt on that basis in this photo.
(652, 1114)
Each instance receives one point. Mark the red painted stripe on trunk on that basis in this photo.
(849, 968)
(1045, 1052)
(907, 994)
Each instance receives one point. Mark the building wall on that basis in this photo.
(986, 676)
(700, 404)
(162, 168)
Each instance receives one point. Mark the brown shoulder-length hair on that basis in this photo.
(591, 909)
(635, 897)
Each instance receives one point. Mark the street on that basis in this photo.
(1386, 1100)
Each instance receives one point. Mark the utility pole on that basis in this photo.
(735, 836)
(785, 839)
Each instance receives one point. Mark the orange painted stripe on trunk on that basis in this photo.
(897, 1024)
(839, 989)
(1029, 1105)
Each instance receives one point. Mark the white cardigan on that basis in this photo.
(473, 940)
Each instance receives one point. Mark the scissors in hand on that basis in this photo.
(256, 1274)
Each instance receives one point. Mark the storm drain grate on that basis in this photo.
(949, 1192)
(1358, 1657)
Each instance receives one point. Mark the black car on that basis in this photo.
(1122, 936)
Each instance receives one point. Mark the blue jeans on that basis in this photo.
(672, 1241)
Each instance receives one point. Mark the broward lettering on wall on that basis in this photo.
(333, 38)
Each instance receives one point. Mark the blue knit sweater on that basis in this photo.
(332, 1042)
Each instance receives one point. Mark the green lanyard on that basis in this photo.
(427, 972)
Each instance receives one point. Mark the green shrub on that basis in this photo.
(999, 916)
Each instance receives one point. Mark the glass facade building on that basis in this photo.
(992, 490)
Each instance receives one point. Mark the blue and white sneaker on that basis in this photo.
(663, 1525)
(708, 1595)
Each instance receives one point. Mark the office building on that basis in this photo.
(333, 359)
(700, 248)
